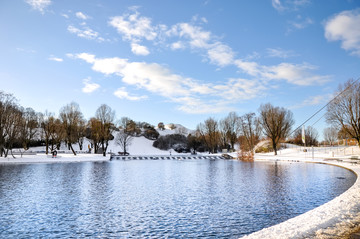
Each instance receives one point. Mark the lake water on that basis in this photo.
(160, 198)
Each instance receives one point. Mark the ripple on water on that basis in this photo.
(162, 198)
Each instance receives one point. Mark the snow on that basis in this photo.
(336, 218)
(139, 146)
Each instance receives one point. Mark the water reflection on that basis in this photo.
(162, 198)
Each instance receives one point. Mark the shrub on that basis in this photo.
(246, 156)
(177, 142)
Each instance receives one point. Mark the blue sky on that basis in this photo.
(178, 61)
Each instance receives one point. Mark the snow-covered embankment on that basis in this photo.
(334, 219)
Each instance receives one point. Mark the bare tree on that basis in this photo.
(344, 111)
(311, 136)
(13, 127)
(228, 130)
(52, 130)
(45, 129)
(7, 103)
(250, 130)
(29, 127)
(276, 123)
(71, 117)
(58, 133)
(330, 135)
(81, 133)
(94, 133)
(124, 137)
(106, 116)
(223, 134)
(209, 133)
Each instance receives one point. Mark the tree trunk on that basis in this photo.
(6, 153)
(72, 149)
(103, 148)
(274, 147)
(46, 146)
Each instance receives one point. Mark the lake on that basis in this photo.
(160, 198)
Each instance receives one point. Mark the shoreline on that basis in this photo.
(61, 158)
(338, 218)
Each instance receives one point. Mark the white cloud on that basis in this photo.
(278, 52)
(139, 50)
(186, 92)
(299, 3)
(81, 16)
(89, 58)
(177, 45)
(300, 23)
(189, 35)
(344, 27)
(123, 94)
(53, 58)
(250, 67)
(292, 5)
(196, 106)
(109, 66)
(221, 54)
(89, 86)
(297, 74)
(277, 5)
(39, 5)
(65, 15)
(133, 27)
(86, 33)
(195, 37)
(240, 89)
(198, 38)
(136, 28)
(25, 50)
(314, 100)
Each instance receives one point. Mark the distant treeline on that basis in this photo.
(23, 128)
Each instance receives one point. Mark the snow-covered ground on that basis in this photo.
(335, 219)
(138, 146)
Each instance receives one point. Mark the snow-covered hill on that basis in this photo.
(139, 145)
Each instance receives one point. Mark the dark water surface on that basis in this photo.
(162, 198)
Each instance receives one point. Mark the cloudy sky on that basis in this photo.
(178, 61)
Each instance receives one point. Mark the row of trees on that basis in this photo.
(18, 125)
(272, 122)
(275, 124)
(71, 128)
(21, 127)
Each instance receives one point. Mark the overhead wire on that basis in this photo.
(324, 106)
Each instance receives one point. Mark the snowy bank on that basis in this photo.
(337, 218)
(61, 158)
